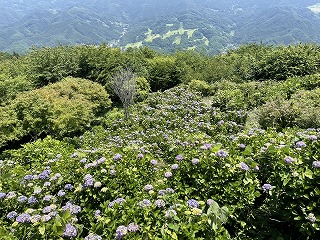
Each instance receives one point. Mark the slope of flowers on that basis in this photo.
(177, 169)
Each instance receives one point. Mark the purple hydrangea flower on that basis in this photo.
(45, 174)
(221, 122)
(256, 168)
(170, 213)
(244, 166)
(68, 186)
(148, 187)
(117, 157)
(32, 200)
(168, 174)
(159, 203)
(46, 218)
(113, 172)
(22, 199)
(195, 161)
(12, 215)
(35, 218)
(50, 208)
(2, 195)
(140, 155)
(193, 203)
(300, 144)
(97, 213)
(174, 166)
(121, 232)
(47, 184)
(266, 187)
(56, 176)
(88, 180)
(47, 198)
(154, 162)
(242, 146)
(74, 209)
(23, 218)
(222, 154)
(169, 190)
(61, 193)
(313, 137)
(11, 195)
(144, 203)
(28, 177)
(179, 157)
(316, 164)
(118, 201)
(133, 227)
(70, 231)
(210, 201)
(288, 160)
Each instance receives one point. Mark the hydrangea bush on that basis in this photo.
(177, 169)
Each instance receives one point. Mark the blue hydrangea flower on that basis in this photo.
(74, 209)
(47, 184)
(2, 195)
(266, 187)
(154, 162)
(133, 227)
(28, 177)
(121, 232)
(170, 213)
(23, 218)
(313, 137)
(195, 161)
(159, 203)
(174, 166)
(97, 213)
(140, 155)
(61, 193)
(32, 200)
(288, 160)
(193, 203)
(242, 146)
(222, 154)
(210, 201)
(83, 160)
(35, 218)
(88, 180)
(179, 157)
(11, 195)
(70, 231)
(22, 199)
(244, 166)
(144, 203)
(68, 186)
(46, 218)
(148, 187)
(300, 144)
(12, 215)
(168, 174)
(117, 157)
(316, 164)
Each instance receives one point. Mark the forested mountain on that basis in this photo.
(212, 26)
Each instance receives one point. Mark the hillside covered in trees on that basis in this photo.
(212, 147)
(207, 26)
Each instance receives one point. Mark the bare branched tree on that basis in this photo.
(124, 86)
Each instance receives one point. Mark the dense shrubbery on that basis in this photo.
(60, 109)
(179, 166)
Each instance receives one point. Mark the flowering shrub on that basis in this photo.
(177, 170)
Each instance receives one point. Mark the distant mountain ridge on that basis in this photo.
(210, 26)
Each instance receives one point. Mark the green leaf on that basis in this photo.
(42, 229)
(174, 227)
(309, 174)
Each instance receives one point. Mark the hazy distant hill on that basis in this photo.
(207, 25)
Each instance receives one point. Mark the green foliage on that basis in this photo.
(200, 86)
(60, 109)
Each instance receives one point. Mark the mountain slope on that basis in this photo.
(210, 26)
